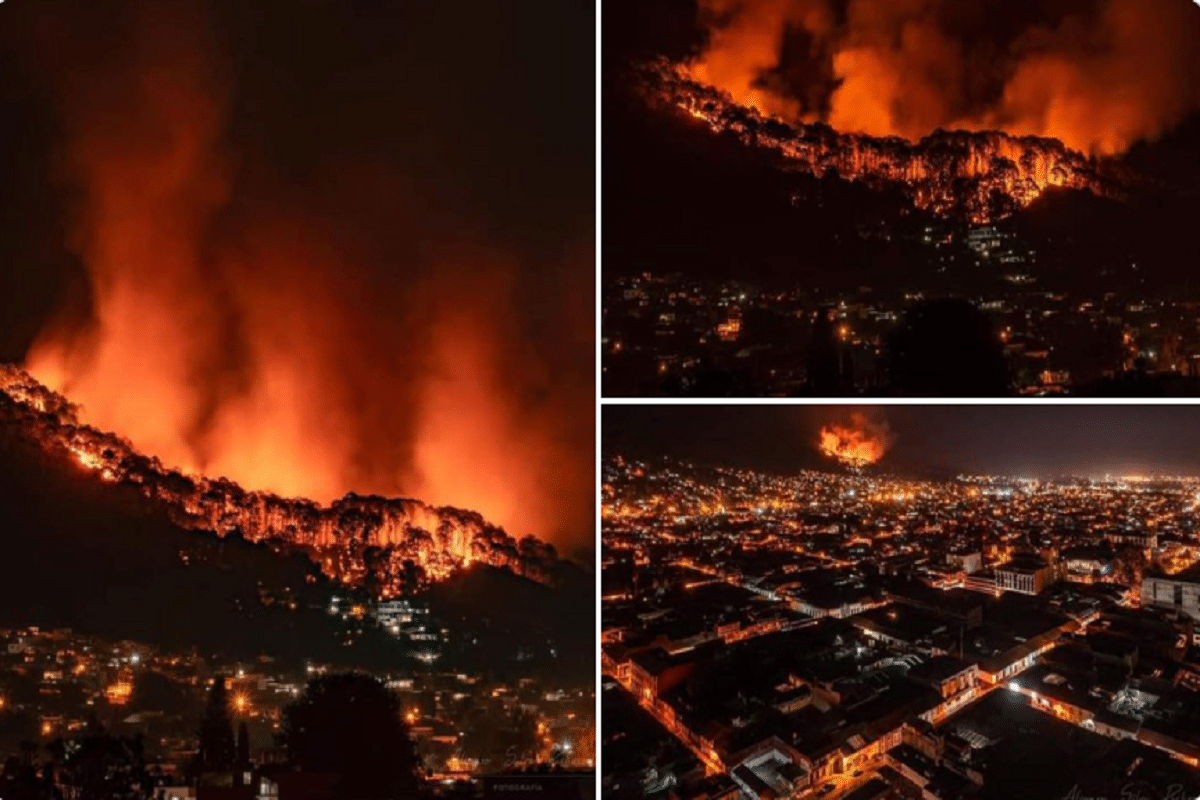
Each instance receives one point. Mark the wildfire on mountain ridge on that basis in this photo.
(983, 175)
(396, 544)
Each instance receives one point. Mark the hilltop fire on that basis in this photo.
(1097, 75)
(403, 544)
(308, 309)
(969, 108)
(857, 445)
(983, 176)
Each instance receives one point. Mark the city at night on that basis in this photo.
(900, 602)
(636, 399)
(879, 198)
(297, 403)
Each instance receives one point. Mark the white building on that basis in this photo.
(1177, 592)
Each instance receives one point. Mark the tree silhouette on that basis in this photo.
(412, 576)
(376, 566)
(19, 780)
(100, 766)
(351, 725)
(824, 365)
(217, 748)
(946, 348)
(243, 746)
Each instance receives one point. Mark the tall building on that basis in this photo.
(1027, 575)
(1178, 592)
(969, 562)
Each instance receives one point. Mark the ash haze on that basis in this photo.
(1017, 441)
(1100, 75)
(314, 247)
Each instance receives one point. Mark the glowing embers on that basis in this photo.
(982, 175)
(411, 543)
(94, 462)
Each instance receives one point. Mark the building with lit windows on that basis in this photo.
(1027, 575)
(1179, 593)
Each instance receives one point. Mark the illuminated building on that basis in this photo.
(1146, 540)
(730, 329)
(1180, 593)
(403, 617)
(984, 239)
(119, 692)
(969, 563)
(1025, 575)
(772, 770)
(946, 674)
(653, 672)
(1088, 563)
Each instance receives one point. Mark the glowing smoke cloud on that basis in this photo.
(307, 335)
(860, 444)
(1099, 79)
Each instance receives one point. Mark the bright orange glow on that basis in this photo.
(95, 462)
(730, 330)
(956, 171)
(241, 703)
(661, 711)
(326, 533)
(118, 693)
(305, 343)
(857, 445)
(1098, 81)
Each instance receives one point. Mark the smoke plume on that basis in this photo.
(291, 283)
(1099, 75)
(859, 443)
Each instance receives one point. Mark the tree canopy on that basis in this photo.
(353, 726)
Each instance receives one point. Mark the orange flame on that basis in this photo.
(305, 344)
(858, 445)
(438, 540)
(943, 173)
(1098, 81)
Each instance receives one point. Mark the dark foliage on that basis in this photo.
(217, 749)
(352, 725)
(946, 348)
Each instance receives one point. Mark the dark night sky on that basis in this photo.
(1033, 441)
